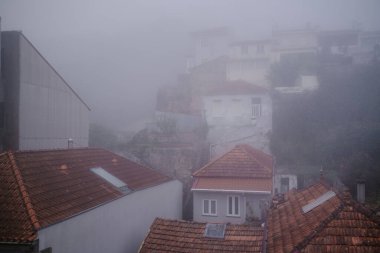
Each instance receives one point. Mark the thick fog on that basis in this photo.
(115, 54)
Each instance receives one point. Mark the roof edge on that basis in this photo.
(25, 196)
(301, 245)
(54, 70)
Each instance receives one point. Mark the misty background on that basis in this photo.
(115, 54)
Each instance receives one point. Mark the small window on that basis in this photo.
(215, 230)
(209, 207)
(260, 48)
(284, 184)
(256, 107)
(233, 206)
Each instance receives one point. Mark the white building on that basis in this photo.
(238, 112)
(80, 200)
(40, 110)
(250, 61)
(209, 45)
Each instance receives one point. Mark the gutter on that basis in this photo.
(240, 191)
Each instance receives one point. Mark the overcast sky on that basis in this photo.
(116, 53)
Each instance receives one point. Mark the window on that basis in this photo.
(209, 207)
(284, 184)
(256, 108)
(111, 179)
(233, 206)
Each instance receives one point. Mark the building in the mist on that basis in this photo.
(250, 61)
(296, 44)
(237, 112)
(80, 200)
(209, 45)
(38, 109)
(234, 188)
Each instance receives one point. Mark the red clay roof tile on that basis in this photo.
(243, 161)
(40, 188)
(233, 184)
(336, 225)
(185, 236)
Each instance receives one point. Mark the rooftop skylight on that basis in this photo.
(215, 230)
(111, 179)
(320, 200)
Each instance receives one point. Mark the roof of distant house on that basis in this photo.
(237, 87)
(186, 236)
(243, 161)
(41, 188)
(317, 219)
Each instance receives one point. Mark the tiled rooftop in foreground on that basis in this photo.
(186, 236)
(41, 188)
(336, 223)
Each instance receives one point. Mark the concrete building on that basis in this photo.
(234, 188)
(296, 44)
(209, 45)
(250, 61)
(238, 112)
(39, 110)
(80, 200)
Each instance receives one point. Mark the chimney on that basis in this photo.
(70, 143)
(360, 191)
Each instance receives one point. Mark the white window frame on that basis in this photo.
(234, 198)
(209, 207)
(256, 109)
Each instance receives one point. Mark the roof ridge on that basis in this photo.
(54, 150)
(301, 245)
(25, 196)
(346, 198)
(245, 147)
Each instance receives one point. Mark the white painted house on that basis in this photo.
(39, 110)
(250, 61)
(234, 188)
(237, 112)
(80, 200)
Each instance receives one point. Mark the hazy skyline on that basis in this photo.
(115, 54)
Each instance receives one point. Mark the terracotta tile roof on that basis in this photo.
(40, 188)
(237, 87)
(185, 236)
(233, 184)
(243, 161)
(337, 225)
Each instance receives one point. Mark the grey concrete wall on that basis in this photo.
(11, 84)
(49, 111)
(250, 199)
(119, 226)
(231, 122)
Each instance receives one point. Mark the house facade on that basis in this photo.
(237, 112)
(234, 188)
(80, 200)
(250, 61)
(39, 110)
